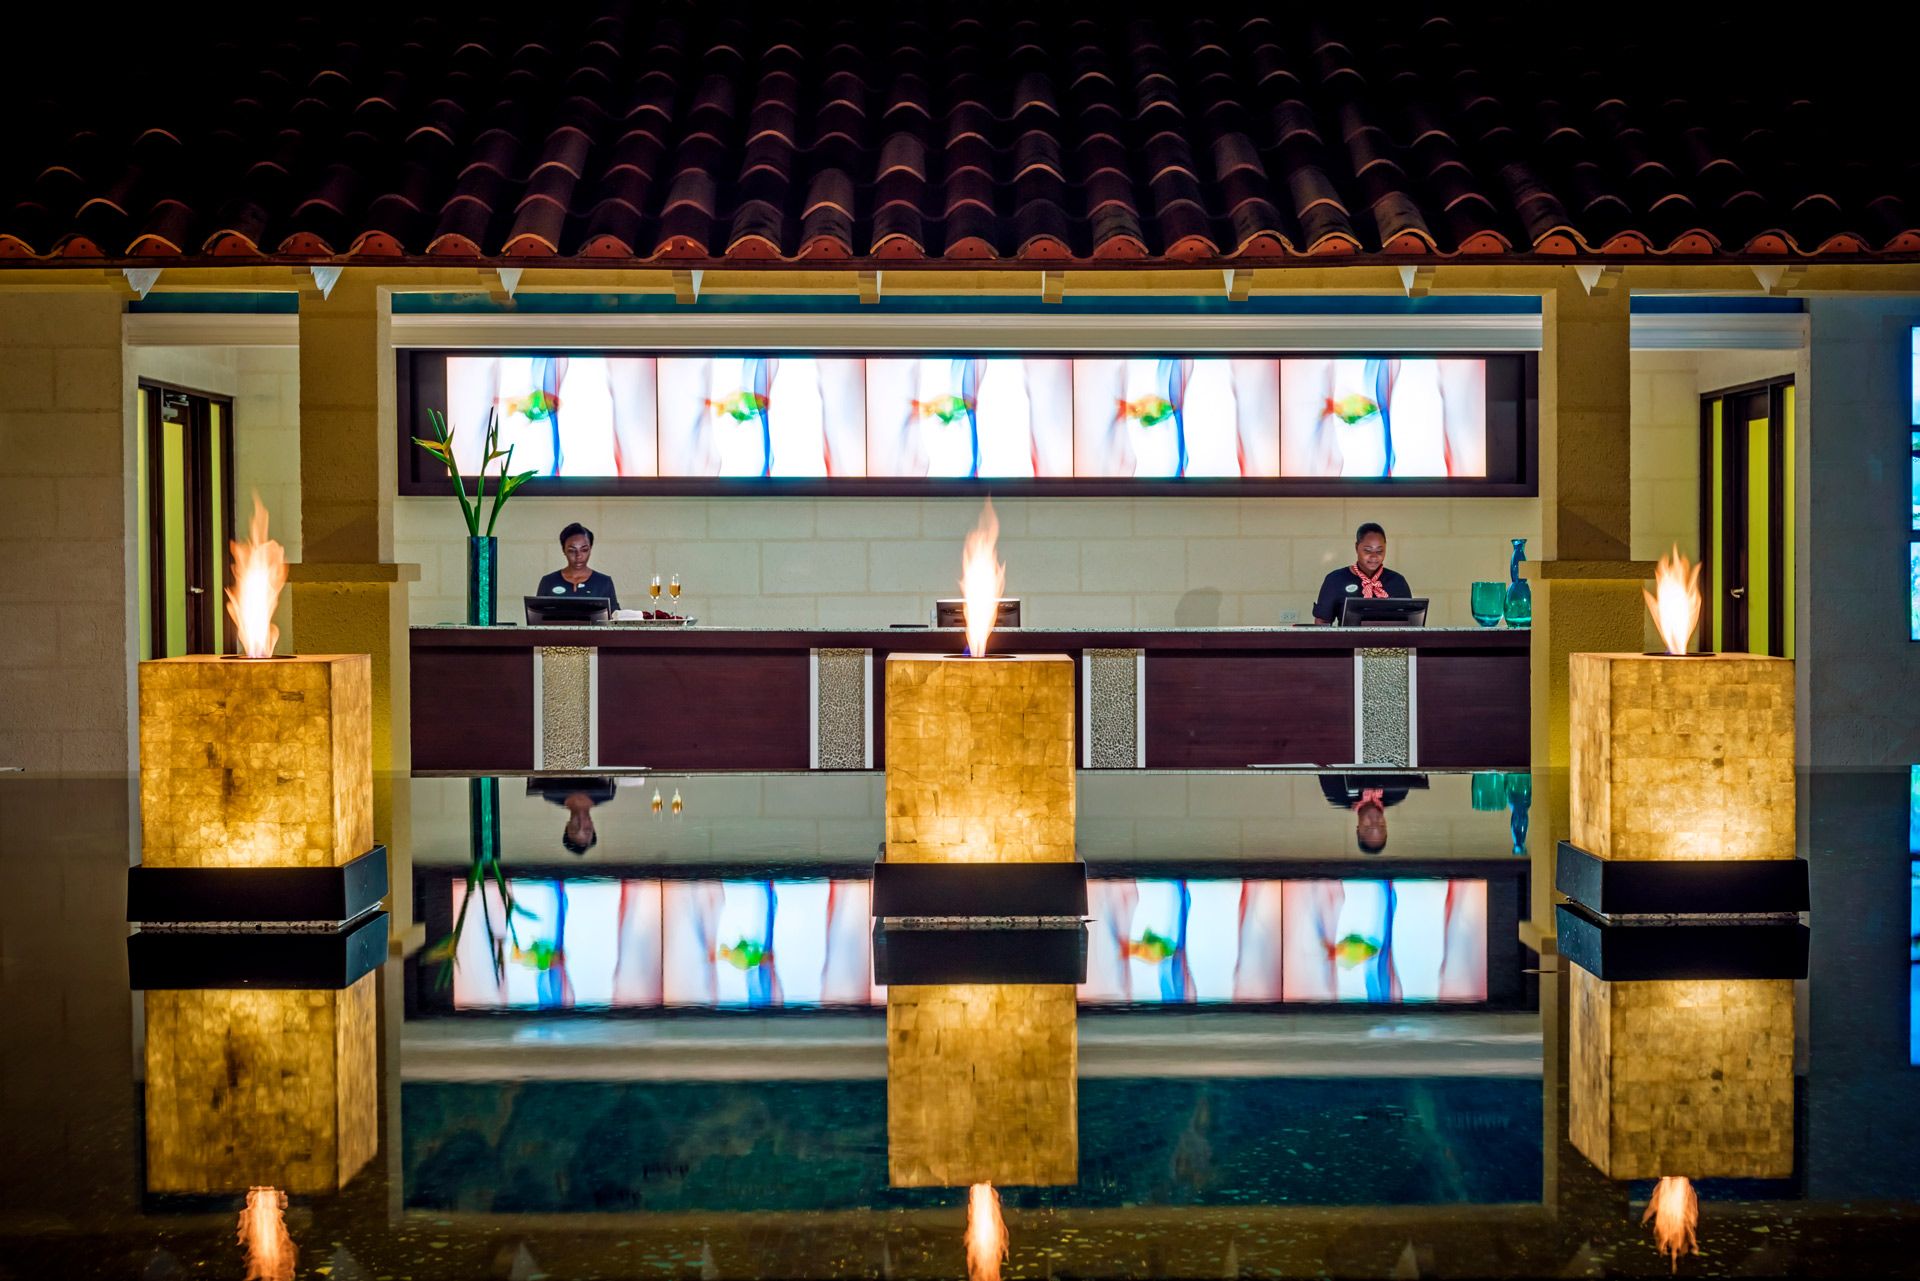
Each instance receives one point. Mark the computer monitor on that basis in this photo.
(953, 613)
(545, 610)
(1359, 611)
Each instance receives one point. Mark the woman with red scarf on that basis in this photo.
(1367, 578)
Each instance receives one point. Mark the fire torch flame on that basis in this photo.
(986, 1233)
(259, 572)
(1675, 600)
(1675, 1212)
(271, 1253)
(982, 579)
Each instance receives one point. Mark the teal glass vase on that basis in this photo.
(1519, 591)
(483, 581)
(1488, 603)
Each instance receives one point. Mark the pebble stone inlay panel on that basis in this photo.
(1386, 707)
(1113, 708)
(840, 735)
(566, 706)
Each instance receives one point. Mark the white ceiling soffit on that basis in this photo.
(1675, 332)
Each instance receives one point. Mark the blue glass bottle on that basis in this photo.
(1519, 591)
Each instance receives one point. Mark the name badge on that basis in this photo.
(561, 591)
(1352, 587)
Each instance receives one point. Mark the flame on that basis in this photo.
(1675, 601)
(259, 572)
(986, 1233)
(263, 1233)
(982, 579)
(1675, 1212)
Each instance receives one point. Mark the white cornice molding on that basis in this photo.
(210, 329)
(1721, 331)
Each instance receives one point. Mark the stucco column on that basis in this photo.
(1586, 588)
(348, 595)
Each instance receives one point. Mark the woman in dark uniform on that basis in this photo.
(1368, 578)
(576, 540)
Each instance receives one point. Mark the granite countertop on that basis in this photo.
(909, 631)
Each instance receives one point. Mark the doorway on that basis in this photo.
(185, 495)
(1746, 519)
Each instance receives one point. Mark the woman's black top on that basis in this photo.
(597, 584)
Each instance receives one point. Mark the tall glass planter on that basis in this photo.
(1519, 591)
(483, 578)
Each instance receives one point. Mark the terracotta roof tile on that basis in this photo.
(1000, 132)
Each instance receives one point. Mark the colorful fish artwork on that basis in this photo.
(1151, 948)
(747, 954)
(1354, 950)
(946, 408)
(739, 406)
(538, 955)
(535, 405)
(1148, 411)
(1351, 408)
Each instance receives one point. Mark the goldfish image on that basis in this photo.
(1354, 949)
(1150, 947)
(739, 406)
(946, 408)
(1351, 408)
(745, 955)
(534, 406)
(1148, 411)
(541, 956)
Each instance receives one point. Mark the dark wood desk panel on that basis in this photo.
(1474, 709)
(693, 709)
(472, 707)
(1220, 710)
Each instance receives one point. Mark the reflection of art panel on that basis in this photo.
(765, 415)
(1168, 417)
(260, 1087)
(981, 1085)
(969, 416)
(1383, 417)
(563, 415)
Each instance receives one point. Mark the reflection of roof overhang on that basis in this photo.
(1331, 1043)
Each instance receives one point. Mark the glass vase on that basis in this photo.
(482, 580)
(1488, 603)
(1519, 591)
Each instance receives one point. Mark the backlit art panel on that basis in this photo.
(969, 417)
(1382, 418)
(1169, 417)
(562, 415)
(761, 416)
(648, 943)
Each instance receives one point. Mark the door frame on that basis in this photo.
(197, 483)
(1734, 510)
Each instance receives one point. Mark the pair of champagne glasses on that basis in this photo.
(673, 587)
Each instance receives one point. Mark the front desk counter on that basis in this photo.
(512, 699)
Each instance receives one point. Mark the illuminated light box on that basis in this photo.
(260, 1087)
(980, 759)
(1689, 1078)
(982, 1086)
(261, 767)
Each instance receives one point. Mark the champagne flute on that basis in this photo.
(653, 588)
(673, 587)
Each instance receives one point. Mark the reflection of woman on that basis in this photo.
(576, 540)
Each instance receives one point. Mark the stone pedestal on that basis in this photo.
(1682, 758)
(981, 1086)
(1686, 1077)
(255, 763)
(260, 1088)
(980, 759)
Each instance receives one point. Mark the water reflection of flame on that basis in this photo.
(263, 1234)
(1675, 1212)
(986, 1233)
(1675, 600)
(259, 572)
(982, 579)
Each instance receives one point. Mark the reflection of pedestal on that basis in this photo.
(1686, 762)
(981, 1086)
(259, 1087)
(256, 791)
(979, 759)
(1691, 1077)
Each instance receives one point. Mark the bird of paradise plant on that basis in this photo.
(441, 447)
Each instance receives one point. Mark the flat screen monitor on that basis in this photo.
(1394, 612)
(542, 610)
(953, 613)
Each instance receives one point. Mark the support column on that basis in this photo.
(1586, 587)
(348, 595)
